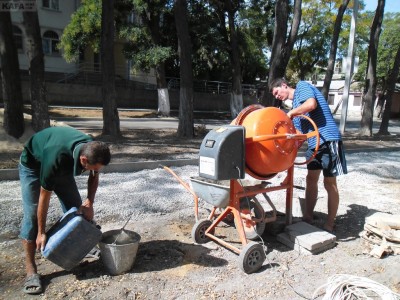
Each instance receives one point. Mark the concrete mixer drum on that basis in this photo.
(271, 140)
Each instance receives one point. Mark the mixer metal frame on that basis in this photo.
(252, 254)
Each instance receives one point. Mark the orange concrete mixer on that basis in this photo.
(261, 141)
(271, 140)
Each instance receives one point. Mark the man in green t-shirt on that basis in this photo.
(50, 160)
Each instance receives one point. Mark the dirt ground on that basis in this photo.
(132, 145)
(169, 265)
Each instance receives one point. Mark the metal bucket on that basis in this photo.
(118, 257)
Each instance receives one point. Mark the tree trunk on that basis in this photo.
(152, 20)
(371, 81)
(163, 94)
(236, 103)
(111, 124)
(34, 52)
(333, 50)
(186, 122)
(13, 122)
(282, 45)
(391, 84)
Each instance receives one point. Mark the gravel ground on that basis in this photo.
(170, 266)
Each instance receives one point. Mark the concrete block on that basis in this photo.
(304, 237)
(284, 238)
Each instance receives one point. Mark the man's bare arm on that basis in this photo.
(309, 105)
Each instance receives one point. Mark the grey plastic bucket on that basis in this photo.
(118, 257)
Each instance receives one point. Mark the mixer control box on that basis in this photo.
(222, 153)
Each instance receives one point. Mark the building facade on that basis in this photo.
(54, 16)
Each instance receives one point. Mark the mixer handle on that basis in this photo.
(284, 136)
(310, 135)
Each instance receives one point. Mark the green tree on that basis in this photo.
(255, 37)
(34, 53)
(313, 37)
(186, 122)
(144, 37)
(283, 41)
(212, 46)
(84, 30)
(147, 42)
(387, 47)
(210, 54)
(227, 11)
(362, 37)
(334, 47)
(13, 122)
(371, 79)
(111, 124)
(391, 83)
(389, 42)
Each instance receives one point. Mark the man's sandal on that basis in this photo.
(33, 285)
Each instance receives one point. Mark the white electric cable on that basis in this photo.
(348, 287)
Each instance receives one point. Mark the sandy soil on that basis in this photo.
(169, 265)
(132, 145)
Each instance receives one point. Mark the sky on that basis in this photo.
(390, 5)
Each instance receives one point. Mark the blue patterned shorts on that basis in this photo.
(330, 158)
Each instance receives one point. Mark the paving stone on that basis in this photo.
(284, 238)
(303, 236)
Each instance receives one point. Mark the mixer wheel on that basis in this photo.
(199, 231)
(251, 257)
(252, 207)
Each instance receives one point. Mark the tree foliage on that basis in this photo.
(255, 22)
(148, 37)
(83, 31)
(312, 43)
(255, 36)
(389, 42)
(283, 41)
(370, 77)
(391, 83)
(330, 67)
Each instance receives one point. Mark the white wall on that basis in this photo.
(55, 20)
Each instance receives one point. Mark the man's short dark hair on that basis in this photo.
(96, 152)
(277, 82)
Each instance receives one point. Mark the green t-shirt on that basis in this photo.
(54, 151)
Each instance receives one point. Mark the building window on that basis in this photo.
(50, 4)
(331, 99)
(50, 42)
(17, 34)
(357, 100)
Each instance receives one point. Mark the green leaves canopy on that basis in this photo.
(83, 30)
